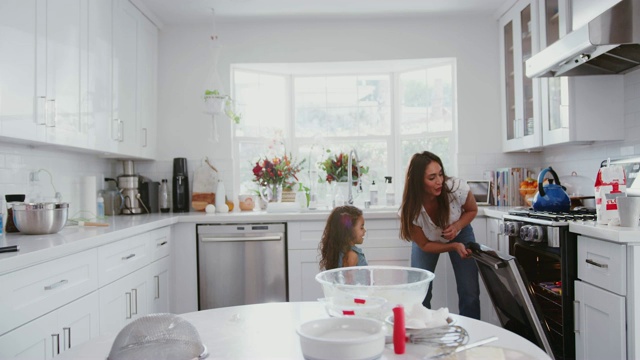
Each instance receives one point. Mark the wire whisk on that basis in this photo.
(445, 338)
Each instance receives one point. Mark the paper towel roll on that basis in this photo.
(89, 197)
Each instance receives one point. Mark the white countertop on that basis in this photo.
(268, 331)
(35, 249)
(611, 233)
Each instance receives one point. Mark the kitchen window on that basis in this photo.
(386, 110)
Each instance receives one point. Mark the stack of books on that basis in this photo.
(506, 185)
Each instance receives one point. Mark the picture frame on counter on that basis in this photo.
(481, 190)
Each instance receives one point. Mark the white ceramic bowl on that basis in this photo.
(399, 285)
(347, 338)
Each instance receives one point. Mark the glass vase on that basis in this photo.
(275, 193)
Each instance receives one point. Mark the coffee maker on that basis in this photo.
(128, 184)
(180, 189)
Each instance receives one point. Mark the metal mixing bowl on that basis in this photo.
(40, 218)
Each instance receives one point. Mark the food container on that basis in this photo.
(40, 218)
(406, 286)
(348, 338)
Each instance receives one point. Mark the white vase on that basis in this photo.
(340, 194)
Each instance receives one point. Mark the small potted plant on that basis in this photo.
(216, 104)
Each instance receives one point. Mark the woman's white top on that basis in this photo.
(457, 198)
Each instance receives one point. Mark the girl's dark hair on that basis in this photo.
(413, 194)
(338, 235)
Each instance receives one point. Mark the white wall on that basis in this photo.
(586, 159)
(185, 71)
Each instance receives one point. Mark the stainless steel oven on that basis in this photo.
(546, 251)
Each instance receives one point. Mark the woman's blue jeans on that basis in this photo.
(465, 270)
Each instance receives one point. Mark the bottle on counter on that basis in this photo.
(164, 196)
(221, 198)
(373, 193)
(100, 206)
(390, 191)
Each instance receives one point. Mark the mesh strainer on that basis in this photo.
(158, 336)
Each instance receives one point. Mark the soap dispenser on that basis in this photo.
(390, 191)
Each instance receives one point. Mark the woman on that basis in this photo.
(435, 215)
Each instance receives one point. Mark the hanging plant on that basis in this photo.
(216, 104)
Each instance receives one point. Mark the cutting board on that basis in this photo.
(205, 181)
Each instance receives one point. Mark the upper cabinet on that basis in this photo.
(521, 100)
(577, 109)
(79, 74)
(134, 81)
(42, 70)
(551, 111)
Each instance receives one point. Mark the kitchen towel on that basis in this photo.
(89, 197)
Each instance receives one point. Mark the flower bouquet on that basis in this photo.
(336, 167)
(276, 173)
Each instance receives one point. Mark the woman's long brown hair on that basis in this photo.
(413, 194)
(338, 235)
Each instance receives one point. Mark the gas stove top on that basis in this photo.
(579, 214)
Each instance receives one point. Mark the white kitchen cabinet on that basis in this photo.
(123, 301)
(518, 33)
(134, 75)
(99, 84)
(576, 109)
(43, 70)
(600, 326)
(36, 290)
(55, 332)
(600, 299)
(21, 115)
(147, 93)
(160, 290)
(382, 246)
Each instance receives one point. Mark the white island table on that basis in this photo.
(268, 331)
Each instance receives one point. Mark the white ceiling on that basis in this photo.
(177, 12)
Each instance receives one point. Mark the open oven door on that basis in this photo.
(513, 300)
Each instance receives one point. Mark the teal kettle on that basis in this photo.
(551, 197)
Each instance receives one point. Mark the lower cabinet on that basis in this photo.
(600, 326)
(382, 246)
(123, 301)
(55, 332)
(158, 275)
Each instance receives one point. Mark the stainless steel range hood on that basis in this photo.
(608, 44)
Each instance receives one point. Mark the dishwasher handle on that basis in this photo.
(241, 238)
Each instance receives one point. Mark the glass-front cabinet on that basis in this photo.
(520, 94)
(576, 109)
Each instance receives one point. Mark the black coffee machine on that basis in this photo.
(180, 190)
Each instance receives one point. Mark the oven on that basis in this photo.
(546, 251)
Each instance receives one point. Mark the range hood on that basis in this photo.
(608, 44)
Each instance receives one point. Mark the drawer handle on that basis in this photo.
(128, 256)
(67, 335)
(576, 316)
(55, 344)
(134, 294)
(163, 243)
(128, 304)
(55, 285)
(602, 266)
(157, 279)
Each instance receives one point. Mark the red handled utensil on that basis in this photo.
(399, 331)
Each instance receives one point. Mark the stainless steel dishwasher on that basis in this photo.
(241, 264)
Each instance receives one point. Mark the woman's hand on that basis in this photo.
(461, 250)
(450, 232)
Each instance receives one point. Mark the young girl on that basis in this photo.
(343, 231)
